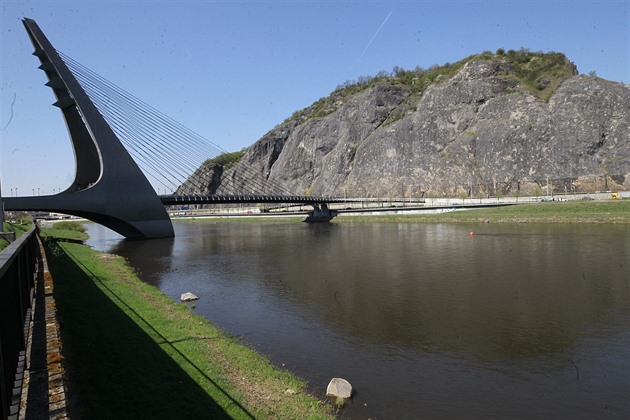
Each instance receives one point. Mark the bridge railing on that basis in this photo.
(170, 199)
(18, 263)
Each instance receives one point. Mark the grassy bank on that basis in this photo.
(18, 228)
(65, 230)
(617, 211)
(613, 211)
(132, 352)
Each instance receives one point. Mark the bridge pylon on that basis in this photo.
(109, 188)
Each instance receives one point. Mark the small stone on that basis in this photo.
(340, 388)
(187, 297)
(290, 391)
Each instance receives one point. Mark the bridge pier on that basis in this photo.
(320, 214)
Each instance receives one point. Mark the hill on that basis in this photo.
(503, 123)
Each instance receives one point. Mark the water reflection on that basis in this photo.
(152, 257)
(506, 307)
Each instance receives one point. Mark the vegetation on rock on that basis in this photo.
(227, 159)
(537, 73)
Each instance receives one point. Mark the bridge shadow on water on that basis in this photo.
(117, 370)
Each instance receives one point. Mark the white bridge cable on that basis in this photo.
(124, 132)
(136, 135)
(128, 131)
(132, 139)
(156, 119)
(168, 151)
(163, 145)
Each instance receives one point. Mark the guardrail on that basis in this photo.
(18, 264)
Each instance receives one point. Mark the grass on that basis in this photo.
(69, 231)
(617, 211)
(132, 352)
(612, 211)
(18, 228)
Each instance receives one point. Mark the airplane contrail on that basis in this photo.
(373, 37)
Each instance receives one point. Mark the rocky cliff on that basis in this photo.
(493, 124)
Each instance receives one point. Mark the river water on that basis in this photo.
(424, 320)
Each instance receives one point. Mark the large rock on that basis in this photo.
(478, 133)
(339, 388)
(477, 139)
(188, 297)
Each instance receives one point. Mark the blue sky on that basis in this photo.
(231, 71)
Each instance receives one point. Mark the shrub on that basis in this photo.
(227, 159)
(66, 225)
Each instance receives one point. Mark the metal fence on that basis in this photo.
(18, 264)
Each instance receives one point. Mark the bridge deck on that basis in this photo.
(170, 200)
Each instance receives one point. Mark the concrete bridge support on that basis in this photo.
(321, 213)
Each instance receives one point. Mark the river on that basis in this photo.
(424, 320)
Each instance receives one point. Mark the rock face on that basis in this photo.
(205, 179)
(472, 134)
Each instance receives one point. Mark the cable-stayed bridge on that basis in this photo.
(119, 142)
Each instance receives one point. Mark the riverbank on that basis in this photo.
(402, 306)
(612, 211)
(131, 351)
(16, 228)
